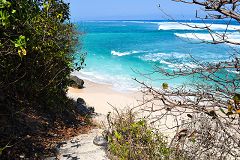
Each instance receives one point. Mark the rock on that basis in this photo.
(82, 146)
(61, 144)
(57, 150)
(76, 82)
(68, 155)
(74, 141)
(74, 156)
(91, 109)
(100, 141)
(82, 108)
(81, 101)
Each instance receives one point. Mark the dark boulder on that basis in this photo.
(81, 101)
(82, 108)
(76, 82)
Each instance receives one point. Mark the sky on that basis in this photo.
(128, 10)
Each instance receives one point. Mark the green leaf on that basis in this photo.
(60, 16)
(193, 140)
(222, 110)
(22, 52)
(4, 3)
(141, 123)
(117, 135)
(20, 42)
(236, 98)
(4, 18)
(165, 86)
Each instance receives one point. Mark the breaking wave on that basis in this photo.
(233, 37)
(194, 26)
(115, 53)
(172, 60)
(119, 82)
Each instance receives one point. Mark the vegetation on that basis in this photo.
(133, 138)
(37, 43)
(205, 117)
(206, 114)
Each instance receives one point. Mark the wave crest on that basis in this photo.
(116, 53)
(187, 26)
(233, 37)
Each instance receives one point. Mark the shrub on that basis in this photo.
(37, 43)
(132, 138)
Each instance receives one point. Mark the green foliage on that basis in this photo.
(135, 139)
(37, 46)
(20, 43)
(37, 43)
(165, 86)
(236, 98)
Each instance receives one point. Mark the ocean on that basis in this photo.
(118, 51)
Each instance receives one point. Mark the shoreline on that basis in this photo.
(103, 96)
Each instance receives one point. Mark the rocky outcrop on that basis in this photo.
(82, 108)
(76, 82)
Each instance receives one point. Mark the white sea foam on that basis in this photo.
(233, 71)
(165, 62)
(160, 56)
(116, 53)
(167, 59)
(176, 66)
(233, 37)
(194, 26)
(119, 82)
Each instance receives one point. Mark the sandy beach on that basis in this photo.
(102, 97)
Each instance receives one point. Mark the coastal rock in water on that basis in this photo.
(100, 141)
(76, 82)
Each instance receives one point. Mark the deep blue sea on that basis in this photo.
(118, 51)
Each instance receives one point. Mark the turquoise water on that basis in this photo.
(118, 51)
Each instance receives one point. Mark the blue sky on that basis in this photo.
(128, 9)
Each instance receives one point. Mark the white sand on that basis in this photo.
(102, 96)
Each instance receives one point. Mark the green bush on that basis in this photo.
(132, 139)
(37, 43)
